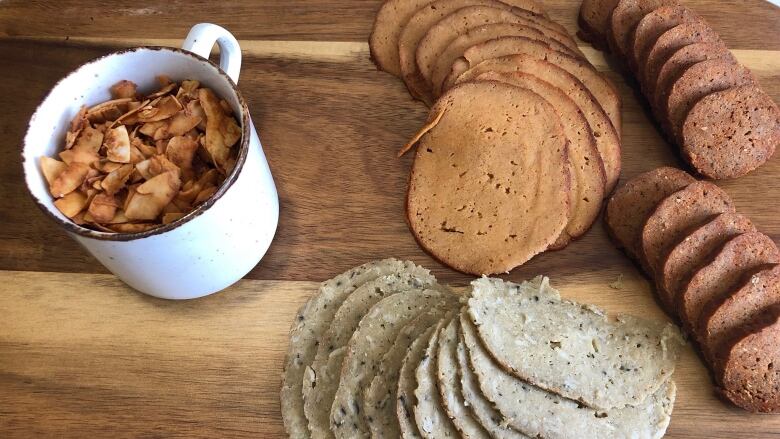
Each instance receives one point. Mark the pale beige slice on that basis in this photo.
(432, 420)
(321, 379)
(407, 382)
(373, 338)
(449, 387)
(380, 397)
(310, 323)
(573, 349)
(538, 413)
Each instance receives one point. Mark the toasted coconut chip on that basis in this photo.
(209, 178)
(78, 218)
(51, 168)
(119, 218)
(78, 155)
(124, 89)
(149, 128)
(136, 156)
(107, 111)
(195, 109)
(152, 196)
(90, 139)
(71, 204)
(96, 183)
(69, 179)
(76, 125)
(163, 91)
(222, 132)
(155, 166)
(130, 194)
(189, 192)
(145, 149)
(93, 175)
(182, 205)
(131, 116)
(108, 104)
(181, 151)
(171, 217)
(165, 108)
(205, 194)
(131, 227)
(103, 207)
(182, 123)
(172, 208)
(188, 90)
(116, 180)
(117, 143)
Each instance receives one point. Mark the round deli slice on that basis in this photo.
(722, 319)
(632, 203)
(407, 382)
(693, 31)
(432, 421)
(593, 20)
(425, 18)
(388, 25)
(373, 338)
(380, 397)
(538, 413)
(482, 409)
(740, 256)
(730, 133)
(322, 377)
(624, 20)
(691, 253)
(547, 66)
(312, 320)
(488, 32)
(750, 377)
(574, 350)
(699, 81)
(587, 169)
(596, 83)
(677, 215)
(449, 386)
(489, 187)
(651, 27)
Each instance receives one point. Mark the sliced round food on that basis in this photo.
(691, 253)
(593, 20)
(484, 33)
(699, 81)
(730, 133)
(372, 339)
(721, 320)
(683, 59)
(546, 65)
(425, 18)
(380, 397)
(312, 320)
(538, 413)
(407, 382)
(741, 255)
(388, 25)
(751, 378)
(624, 19)
(481, 408)
(489, 185)
(677, 215)
(449, 385)
(690, 32)
(651, 27)
(547, 347)
(586, 170)
(432, 420)
(602, 89)
(629, 207)
(321, 378)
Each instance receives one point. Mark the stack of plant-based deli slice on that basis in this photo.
(705, 101)
(384, 351)
(714, 272)
(522, 144)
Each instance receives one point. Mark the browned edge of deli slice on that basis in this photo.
(593, 20)
(693, 251)
(477, 201)
(678, 214)
(388, 25)
(631, 204)
(624, 20)
(750, 377)
(721, 320)
(730, 133)
(650, 28)
(720, 276)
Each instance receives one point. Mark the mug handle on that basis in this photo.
(201, 39)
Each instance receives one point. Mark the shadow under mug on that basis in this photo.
(221, 240)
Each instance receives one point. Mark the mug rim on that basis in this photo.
(231, 178)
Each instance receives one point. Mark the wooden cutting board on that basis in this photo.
(81, 355)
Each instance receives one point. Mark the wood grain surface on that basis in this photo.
(82, 355)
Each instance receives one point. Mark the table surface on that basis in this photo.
(82, 354)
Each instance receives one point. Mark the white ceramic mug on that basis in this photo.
(211, 247)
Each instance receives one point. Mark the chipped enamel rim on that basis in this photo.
(231, 178)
